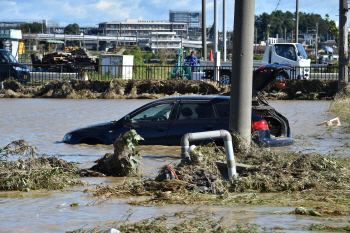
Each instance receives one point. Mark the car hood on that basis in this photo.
(91, 126)
(265, 75)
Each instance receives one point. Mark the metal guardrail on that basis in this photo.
(42, 74)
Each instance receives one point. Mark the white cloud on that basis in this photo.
(95, 11)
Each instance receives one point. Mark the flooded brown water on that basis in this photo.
(43, 123)
(303, 118)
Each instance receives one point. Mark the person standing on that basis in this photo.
(192, 59)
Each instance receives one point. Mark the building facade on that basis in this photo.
(193, 20)
(142, 28)
(165, 40)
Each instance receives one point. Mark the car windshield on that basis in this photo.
(7, 57)
(301, 51)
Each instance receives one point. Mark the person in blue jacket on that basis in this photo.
(192, 59)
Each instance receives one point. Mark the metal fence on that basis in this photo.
(31, 74)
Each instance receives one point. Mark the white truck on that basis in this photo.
(289, 54)
(325, 59)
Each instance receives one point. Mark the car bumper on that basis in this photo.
(277, 141)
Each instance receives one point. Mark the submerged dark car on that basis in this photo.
(10, 67)
(165, 121)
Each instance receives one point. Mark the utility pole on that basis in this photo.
(204, 31)
(256, 41)
(98, 43)
(316, 44)
(242, 69)
(343, 43)
(30, 42)
(224, 28)
(216, 58)
(285, 34)
(157, 45)
(297, 22)
(84, 37)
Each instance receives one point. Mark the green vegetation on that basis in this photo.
(312, 180)
(32, 27)
(125, 160)
(30, 171)
(341, 104)
(327, 227)
(184, 221)
(136, 51)
(279, 21)
(256, 57)
(72, 29)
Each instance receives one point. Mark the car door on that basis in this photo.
(191, 117)
(152, 123)
(223, 112)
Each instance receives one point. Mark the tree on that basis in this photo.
(32, 27)
(72, 29)
(332, 28)
(278, 21)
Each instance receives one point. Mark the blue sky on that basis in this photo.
(91, 12)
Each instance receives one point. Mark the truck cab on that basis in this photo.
(288, 54)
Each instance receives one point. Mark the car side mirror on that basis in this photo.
(127, 120)
(298, 53)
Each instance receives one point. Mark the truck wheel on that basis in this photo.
(225, 78)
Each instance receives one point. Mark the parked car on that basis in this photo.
(10, 67)
(165, 121)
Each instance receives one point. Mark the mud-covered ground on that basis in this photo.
(154, 89)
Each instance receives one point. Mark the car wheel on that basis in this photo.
(225, 78)
(282, 76)
(209, 74)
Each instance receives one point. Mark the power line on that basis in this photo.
(163, 10)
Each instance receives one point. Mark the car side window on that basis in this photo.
(223, 109)
(156, 113)
(195, 111)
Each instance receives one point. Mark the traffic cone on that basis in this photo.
(211, 56)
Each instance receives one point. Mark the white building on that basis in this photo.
(165, 40)
(134, 27)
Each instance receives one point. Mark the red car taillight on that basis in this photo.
(260, 125)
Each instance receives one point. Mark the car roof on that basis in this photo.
(193, 97)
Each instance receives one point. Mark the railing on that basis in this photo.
(36, 75)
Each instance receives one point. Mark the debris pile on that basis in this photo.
(274, 178)
(302, 90)
(114, 89)
(30, 171)
(125, 159)
(64, 62)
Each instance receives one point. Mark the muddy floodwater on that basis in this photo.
(44, 122)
